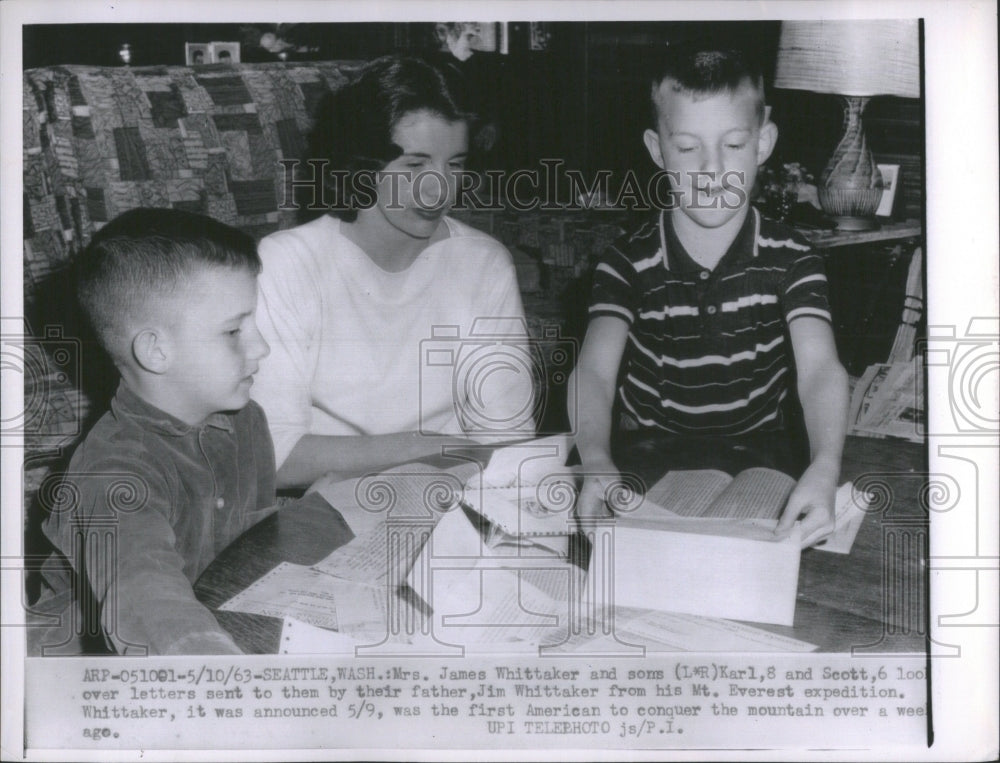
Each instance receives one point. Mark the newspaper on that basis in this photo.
(889, 401)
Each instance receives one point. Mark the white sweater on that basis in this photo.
(352, 348)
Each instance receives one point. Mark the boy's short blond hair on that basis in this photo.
(140, 258)
(703, 71)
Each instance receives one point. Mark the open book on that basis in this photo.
(756, 493)
(702, 543)
(756, 497)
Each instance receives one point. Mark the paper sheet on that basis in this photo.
(527, 463)
(363, 559)
(484, 595)
(509, 596)
(298, 637)
(494, 606)
(666, 631)
(851, 507)
(314, 597)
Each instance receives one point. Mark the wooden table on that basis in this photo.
(873, 600)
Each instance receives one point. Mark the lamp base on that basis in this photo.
(853, 223)
(850, 187)
(850, 208)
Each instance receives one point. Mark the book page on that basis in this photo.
(687, 492)
(756, 493)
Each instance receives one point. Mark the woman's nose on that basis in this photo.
(433, 188)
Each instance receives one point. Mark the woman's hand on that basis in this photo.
(592, 501)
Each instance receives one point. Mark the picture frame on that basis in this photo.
(197, 53)
(225, 52)
(487, 41)
(890, 184)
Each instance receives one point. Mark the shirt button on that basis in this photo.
(710, 309)
(703, 275)
(220, 503)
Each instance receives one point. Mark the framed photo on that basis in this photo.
(197, 53)
(890, 182)
(225, 52)
(486, 40)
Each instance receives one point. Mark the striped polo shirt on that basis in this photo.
(708, 351)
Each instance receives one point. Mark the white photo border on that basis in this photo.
(962, 238)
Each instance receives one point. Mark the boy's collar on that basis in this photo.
(127, 402)
(743, 246)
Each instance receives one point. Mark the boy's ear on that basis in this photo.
(766, 141)
(151, 350)
(652, 140)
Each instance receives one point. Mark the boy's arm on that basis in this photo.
(591, 397)
(822, 390)
(132, 563)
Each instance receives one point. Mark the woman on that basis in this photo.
(369, 309)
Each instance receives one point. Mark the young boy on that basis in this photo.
(696, 309)
(182, 463)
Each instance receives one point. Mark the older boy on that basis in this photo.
(183, 462)
(701, 303)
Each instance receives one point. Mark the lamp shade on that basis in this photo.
(857, 57)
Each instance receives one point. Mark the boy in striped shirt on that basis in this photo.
(703, 320)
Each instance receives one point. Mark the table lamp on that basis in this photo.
(856, 60)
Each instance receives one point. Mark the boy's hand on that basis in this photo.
(813, 496)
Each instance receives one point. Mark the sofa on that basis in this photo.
(99, 141)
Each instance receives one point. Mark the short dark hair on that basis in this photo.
(698, 69)
(144, 253)
(353, 127)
